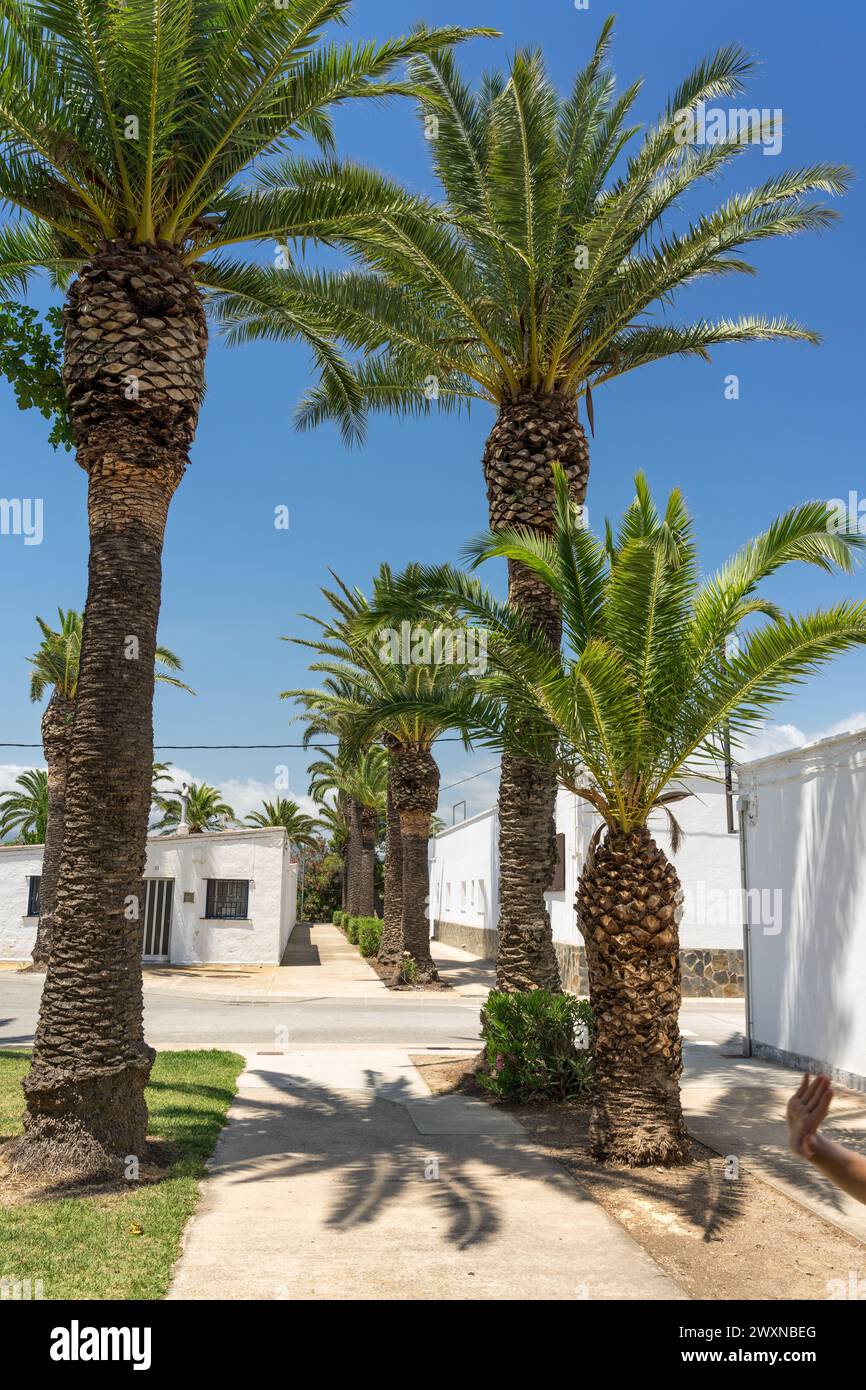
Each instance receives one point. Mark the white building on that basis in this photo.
(227, 897)
(804, 855)
(464, 878)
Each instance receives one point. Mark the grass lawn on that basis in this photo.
(90, 1246)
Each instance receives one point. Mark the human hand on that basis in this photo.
(807, 1109)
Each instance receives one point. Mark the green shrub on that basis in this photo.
(337, 917)
(370, 935)
(352, 927)
(538, 1046)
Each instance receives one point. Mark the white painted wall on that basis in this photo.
(261, 856)
(708, 864)
(804, 837)
(464, 873)
(17, 930)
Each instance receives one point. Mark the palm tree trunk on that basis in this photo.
(56, 733)
(627, 907)
(134, 358)
(344, 878)
(414, 784)
(353, 857)
(531, 433)
(367, 885)
(392, 927)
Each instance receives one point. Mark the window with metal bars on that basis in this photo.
(34, 883)
(227, 898)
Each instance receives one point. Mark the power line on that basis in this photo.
(485, 773)
(164, 747)
(187, 747)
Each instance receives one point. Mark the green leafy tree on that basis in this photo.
(322, 881)
(25, 810)
(55, 667)
(141, 140)
(639, 698)
(547, 267)
(31, 359)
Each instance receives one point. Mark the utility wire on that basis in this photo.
(448, 785)
(164, 747)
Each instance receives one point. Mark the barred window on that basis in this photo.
(227, 898)
(33, 895)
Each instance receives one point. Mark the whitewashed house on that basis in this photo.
(226, 897)
(464, 878)
(803, 817)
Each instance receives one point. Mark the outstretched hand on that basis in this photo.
(807, 1109)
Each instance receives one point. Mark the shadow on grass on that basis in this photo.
(185, 1118)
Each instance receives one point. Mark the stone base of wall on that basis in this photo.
(716, 974)
(798, 1062)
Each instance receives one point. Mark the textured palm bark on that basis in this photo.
(628, 905)
(353, 856)
(344, 878)
(135, 342)
(531, 433)
(367, 884)
(56, 734)
(415, 789)
(392, 926)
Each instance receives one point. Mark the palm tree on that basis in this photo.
(359, 781)
(205, 810)
(301, 829)
(26, 810)
(362, 693)
(55, 667)
(161, 773)
(641, 697)
(126, 131)
(540, 275)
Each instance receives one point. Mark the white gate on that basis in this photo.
(158, 893)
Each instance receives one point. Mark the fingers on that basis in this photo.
(803, 1087)
(821, 1113)
(817, 1095)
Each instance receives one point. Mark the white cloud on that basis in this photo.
(10, 772)
(242, 794)
(779, 738)
(248, 794)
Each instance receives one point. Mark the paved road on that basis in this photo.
(176, 1019)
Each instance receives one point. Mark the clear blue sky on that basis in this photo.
(233, 585)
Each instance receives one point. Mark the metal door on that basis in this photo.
(158, 893)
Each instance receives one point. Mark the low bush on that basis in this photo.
(337, 917)
(370, 935)
(352, 927)
(408, 972)
(538, 1046)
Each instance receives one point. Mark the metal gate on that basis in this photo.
(158, 893)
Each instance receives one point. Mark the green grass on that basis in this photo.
(86, 1247)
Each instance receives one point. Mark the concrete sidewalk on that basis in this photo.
(317, 960)
(736, 1105)
(339, 1177)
